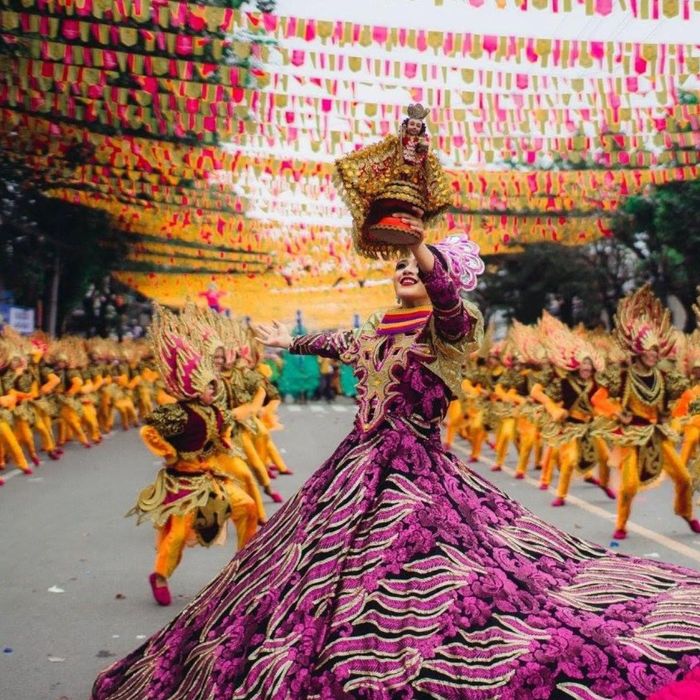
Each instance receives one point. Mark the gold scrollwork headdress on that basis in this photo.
(180, 354)
(642, 323)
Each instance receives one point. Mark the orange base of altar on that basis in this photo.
(392, 231)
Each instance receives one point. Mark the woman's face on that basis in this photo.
(219, 359)
(207, 398)
(585, 371)
(650, 357)
(410, 291)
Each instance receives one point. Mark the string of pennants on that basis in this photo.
(209, 133)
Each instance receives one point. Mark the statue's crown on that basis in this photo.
(417, 111)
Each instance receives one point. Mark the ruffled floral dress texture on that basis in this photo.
(398, 573)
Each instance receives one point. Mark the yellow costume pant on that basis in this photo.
(127, 412)
(178, 531)
(550, 459)
(671, 464)
(505, 435)
(70, 426)
(691, 438)
(8, 439)
(240, 471)
(145, 401)
(454, 420)
(253, 458)
(25, 436)
(266, 448)
(476, 432)
(44, 427)
(527, 432)
(91, 422)
(569, 457)
(105, 412)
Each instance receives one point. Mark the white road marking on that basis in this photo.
(339, 409)
(316, 409)
(294, 409)
(10, 475)
(667, 542)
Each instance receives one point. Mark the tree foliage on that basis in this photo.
(41, 237)
(661, 228)
(656, 238)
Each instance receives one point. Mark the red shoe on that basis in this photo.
(54, 455)
(289, 472)
(87, 445)
(520, 476)
(35, 460)
(620, 534)
(271, 474)
(59, 450)
(694, 525)
(496, 468)
(492, 445)
(276, 498)
(2, 481)
(161, 593)
(594, 481)
(28, 471)
(558, 502)
(609, 493)
(544, 487)
(473, 460)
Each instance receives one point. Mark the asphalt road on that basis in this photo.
(73, 588)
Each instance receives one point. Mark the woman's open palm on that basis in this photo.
(273, 334)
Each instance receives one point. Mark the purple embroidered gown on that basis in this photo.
(397, 573)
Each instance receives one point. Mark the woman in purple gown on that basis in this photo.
(396, 572)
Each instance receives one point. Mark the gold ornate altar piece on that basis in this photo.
(398, 175)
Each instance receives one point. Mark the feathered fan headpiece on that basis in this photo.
(642, 323)
(528, 344)
(182, 359)
(567, 348)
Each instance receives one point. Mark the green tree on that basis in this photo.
(661, 228)
(51, 250)
(580, 284)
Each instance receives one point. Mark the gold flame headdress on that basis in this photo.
(567, 348)
(180, 355)
(642, 323)
(528, 343)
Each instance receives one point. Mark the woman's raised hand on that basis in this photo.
(273, 334)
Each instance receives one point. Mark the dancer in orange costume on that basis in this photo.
(686, 412)
(8, 402)
(125, 379)
(538, 371)
(17, 381)
(191, 500)
(145, 391)
(223, 336)
(567, 400)
(637, 401)
(254, 390)
(41, 403)
(67, 385)
(510, 393)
